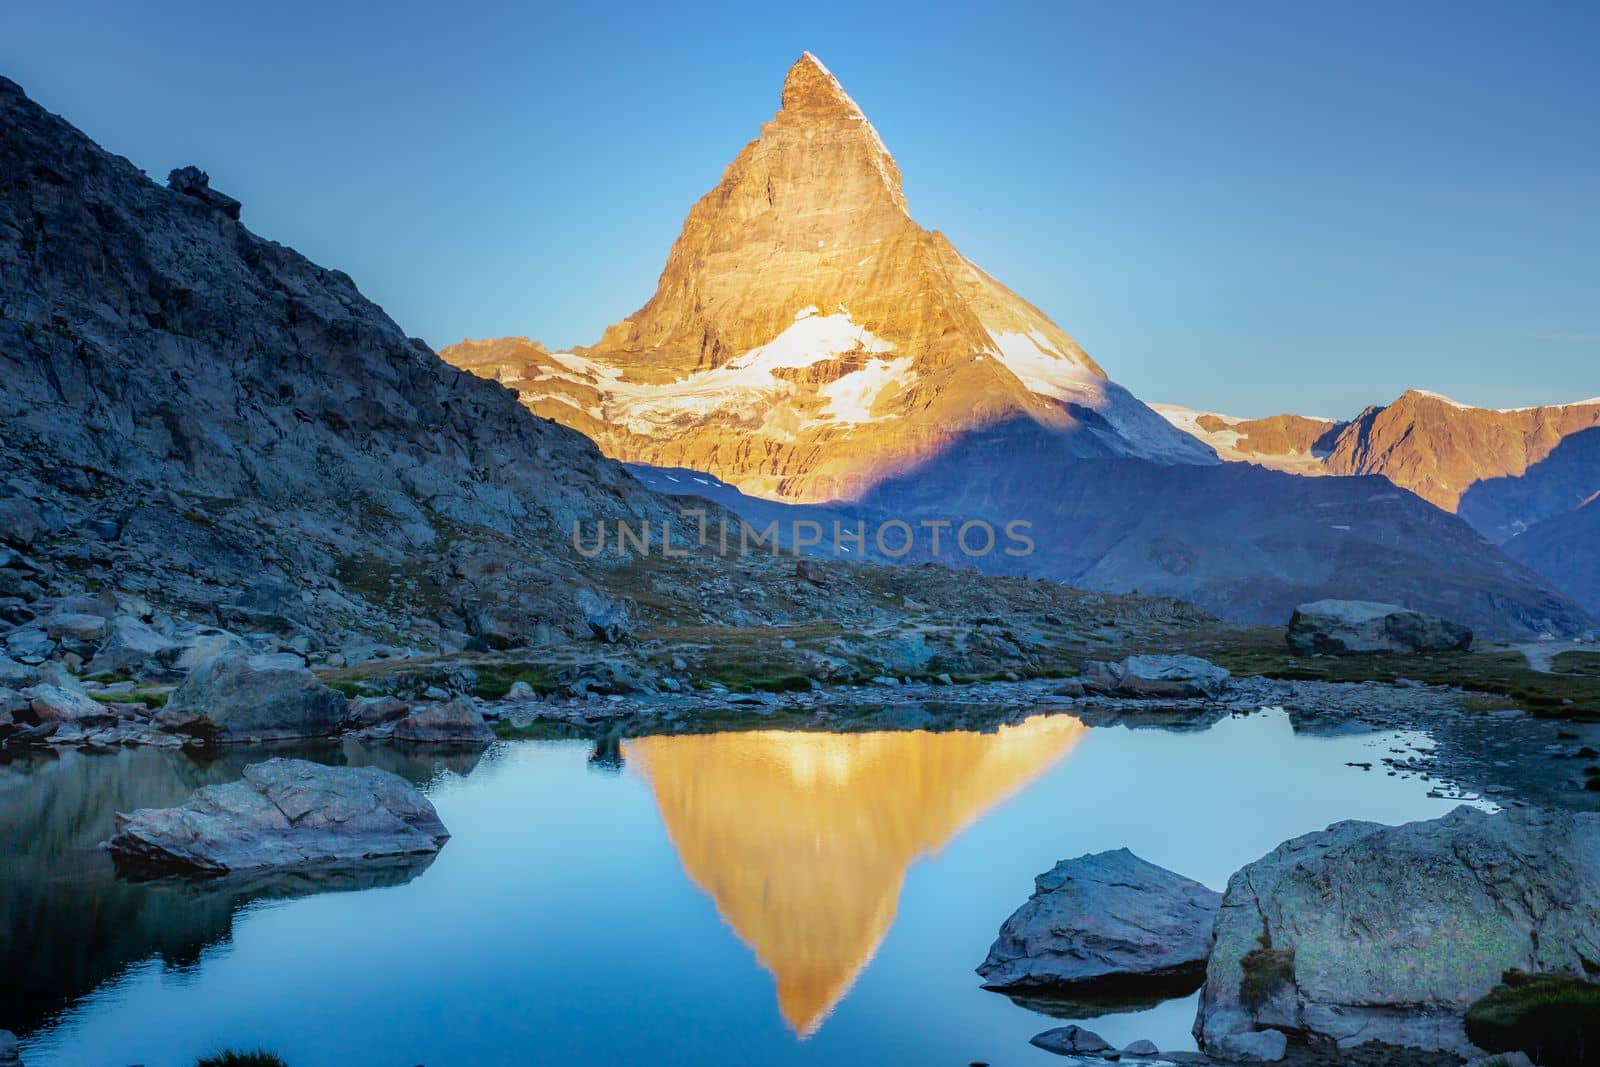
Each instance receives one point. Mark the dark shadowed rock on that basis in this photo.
(1363, 932)
(192, 181)
(235, 697)
(10, 1053)
(1070, 1040)
(1257, 1046)
(1359, 627)
(1103, 918)
(456, 722)
(283, 813)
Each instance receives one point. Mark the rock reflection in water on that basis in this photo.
(803, 840)
(68, 923)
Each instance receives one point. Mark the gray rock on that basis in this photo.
(283, 813)
(457, 722)
(195, 646)
(1502, 1059)
(51, 703)
(1070, 1040)
(130, 646)
(1141, 1047)
(608, 620)
(1311, 937)
(1177, 677)
(20, 521)
(192, 181)
(521, 691)
(74, 627)
(234, 697)
(1257, 1046)
(1360, 627)
(16, 675)
(370, 711)
(1110, 915)
(29, 644)
(10, 1052)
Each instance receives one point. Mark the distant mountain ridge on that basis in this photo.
(1517, 475)
(808, 339)
(1425, 442)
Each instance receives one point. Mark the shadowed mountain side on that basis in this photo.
(1566, 550)
(1242, 542)
(1561, 482)
(68, 923)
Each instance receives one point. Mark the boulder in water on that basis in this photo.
(284, 813)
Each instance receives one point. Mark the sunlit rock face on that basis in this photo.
(808, 338)
(803, 840)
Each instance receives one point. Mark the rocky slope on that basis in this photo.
(1424, 442)
(190, 411)
(808, 338)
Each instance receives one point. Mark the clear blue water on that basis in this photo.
(733, 899)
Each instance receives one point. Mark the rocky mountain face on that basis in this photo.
(194, 413)
(1504, 472)
(808, 339)
(1424, 442)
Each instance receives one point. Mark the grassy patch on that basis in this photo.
(496, 679)
(1583, 664)
(154, 699)
(232, 1058)
(1266, 971)
(1503, 676)
(1552, 1018)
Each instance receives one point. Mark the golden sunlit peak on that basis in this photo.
(803, 840)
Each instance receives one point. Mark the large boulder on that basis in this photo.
(608, 619)
(282, 813)
(1106, 918)
(1154, 678)
(1362, 627)
(1363, 932)
(130, 646)
(16, 675)
(53, 703)
(234, 697)
(457, 722)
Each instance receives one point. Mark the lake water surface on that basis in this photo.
(765, 897)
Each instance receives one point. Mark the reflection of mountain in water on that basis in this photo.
(803, 839)
(68, 923)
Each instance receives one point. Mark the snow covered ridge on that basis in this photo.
(750, 382)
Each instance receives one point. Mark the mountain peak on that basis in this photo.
(810, 86)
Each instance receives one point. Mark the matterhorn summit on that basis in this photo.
(808, 339)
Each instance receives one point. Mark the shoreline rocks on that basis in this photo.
(284, 813)
(234, 698)
(1364, 627)
(456, 722)
(1105, 918)
(1154, 678)
(1365, 932)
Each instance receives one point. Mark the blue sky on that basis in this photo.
(1246, 207)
